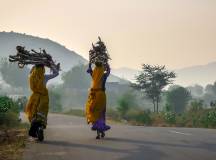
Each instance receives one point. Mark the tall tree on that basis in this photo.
(152, 80)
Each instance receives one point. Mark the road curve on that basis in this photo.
(68, 138)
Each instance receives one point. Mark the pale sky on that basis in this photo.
(175, 33)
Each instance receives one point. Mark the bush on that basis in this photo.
(125, 102)
(55, 101)
(196, 105)
(209, 119)
(212, 118)
(9, 112)
(144, 117)
(170, 117)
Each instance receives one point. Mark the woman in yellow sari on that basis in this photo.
(96, 104)
(38, 103)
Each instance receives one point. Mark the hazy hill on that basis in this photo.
(9, 40)
(126, 73)
(67, 58)
(200, 74)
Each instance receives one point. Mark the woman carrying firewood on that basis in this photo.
(96, 103)
(38, 103)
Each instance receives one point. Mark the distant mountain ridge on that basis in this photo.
(199, 74)
(67, 58)
(9, 40)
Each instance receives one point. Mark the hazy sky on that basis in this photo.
(176, 33)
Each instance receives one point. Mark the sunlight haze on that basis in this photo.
(175, 33)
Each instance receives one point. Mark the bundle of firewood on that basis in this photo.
(99, 53)
(25, 57)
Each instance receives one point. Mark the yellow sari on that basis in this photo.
(38, 103)
(96, 102)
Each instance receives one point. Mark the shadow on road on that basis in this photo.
(91, 147)
(140, 152)
(144, 150)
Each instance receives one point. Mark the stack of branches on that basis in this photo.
(99, 53)
(25, 57)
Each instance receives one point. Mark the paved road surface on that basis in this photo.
(69, 138)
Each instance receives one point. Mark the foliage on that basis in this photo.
(170, 117)
(21, 102)
(212, 118)
(196, 90)
(196, 105)
(203, 118)
(144, 117)
(210, 93)
(178, 98)
(55, 101)
(152, 80)
(125, 102)
(77, 78)
(9, 111)
(13, 75)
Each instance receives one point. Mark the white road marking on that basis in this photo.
(187, 134)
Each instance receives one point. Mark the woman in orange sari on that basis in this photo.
(96, 104)
(38, 103)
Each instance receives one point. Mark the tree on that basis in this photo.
(178, 98)
(13, 75)
(210, 93)
(55, 100)
(125, 102)
(152, 80)
(211, 89)
(77, 78)
(196, 90)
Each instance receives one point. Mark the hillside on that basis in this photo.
(200, 74)
(67, 58)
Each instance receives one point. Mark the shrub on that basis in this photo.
(196, 105)
(170, 117)
(144, 117)
(212, 118)
(125, 102)
(9, 111)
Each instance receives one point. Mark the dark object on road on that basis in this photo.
(36, 130)
(25, 57)
(40, 134)
(98, 53)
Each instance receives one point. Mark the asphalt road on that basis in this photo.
(70, 138)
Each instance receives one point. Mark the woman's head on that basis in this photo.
(38, 69)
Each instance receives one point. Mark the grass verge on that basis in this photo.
(12, 142)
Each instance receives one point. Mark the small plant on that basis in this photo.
(170, 117)
(196, 105)
(144, 117)
(8, 111)
(212, 118)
